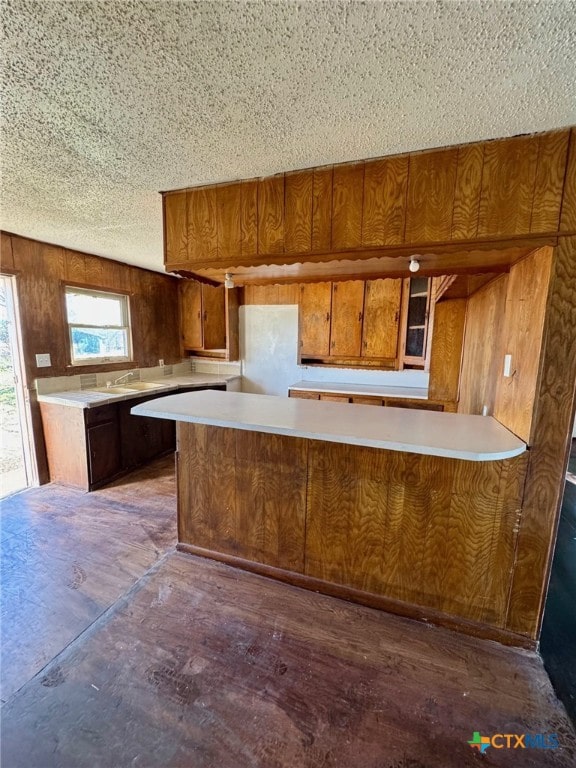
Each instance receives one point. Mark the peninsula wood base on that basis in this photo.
(424, 536)
(396, 607)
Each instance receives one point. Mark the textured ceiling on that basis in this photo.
(105, 103)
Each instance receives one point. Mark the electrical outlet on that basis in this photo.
(161, 363)
(43, 361)
(507, 366)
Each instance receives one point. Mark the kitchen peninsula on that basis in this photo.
(412, 511)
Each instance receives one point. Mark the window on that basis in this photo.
(99, 326)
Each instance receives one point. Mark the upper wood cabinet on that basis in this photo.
(415, 321)
(315, 314)
(381, 318)
(347, 313)
(353, 323)
(521, 186)
(208, 320)
(271, 215)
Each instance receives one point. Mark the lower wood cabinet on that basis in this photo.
(104, 455)
(89, 447)
(405, 402)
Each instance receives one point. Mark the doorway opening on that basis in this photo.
(17, 462)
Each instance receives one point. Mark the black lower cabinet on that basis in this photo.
(104, 458)
(118, 442)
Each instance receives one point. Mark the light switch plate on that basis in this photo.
(507, 365)
(43, 361)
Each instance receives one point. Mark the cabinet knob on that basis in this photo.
(327, 317)
(359, 317)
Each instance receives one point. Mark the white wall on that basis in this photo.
(269, 348)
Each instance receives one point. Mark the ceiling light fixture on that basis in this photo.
(228, 280)
(414, 265)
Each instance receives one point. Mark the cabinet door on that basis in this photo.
(176, 242)
(347, 312)
(415, 311)
(104, 460)
(191, 314)
(381, 318)
(141, 437)
(214, 316)
(315, 309)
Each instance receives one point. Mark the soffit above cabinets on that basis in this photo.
(460, 262)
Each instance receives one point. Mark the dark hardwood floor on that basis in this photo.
(68, 555)
(170, 660)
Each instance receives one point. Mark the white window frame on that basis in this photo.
(126, 326)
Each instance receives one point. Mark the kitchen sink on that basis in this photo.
(123, 389)
(143, 386)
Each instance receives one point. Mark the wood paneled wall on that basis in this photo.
(482, 354)
(42, 271)
(507, 317)
(493, 190)
(397, 530)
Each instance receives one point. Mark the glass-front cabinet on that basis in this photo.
(416, 318)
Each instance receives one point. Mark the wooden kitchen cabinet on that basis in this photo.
(496, 189)
(347, 313)
(89, 447)
(209, 320)
(315, 314)
(353, 323)
(381, 318)
(102, 444)
(416, 307)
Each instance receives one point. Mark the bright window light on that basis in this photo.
(99, 326)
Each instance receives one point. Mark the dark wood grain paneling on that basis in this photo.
(482, 356)
(75, 267)
(508, 179)
(228, 207)
(467, 192)
(347, 314)
(551, 434)
(430, 200)
(272, 294)
(298, 211)
(322, 209)
(271, 498)
(175, 228)
(347, 202)
(568, 217)
(416, 528)
(201, 217)
(384, 208)
(249, 218)
(314, 319)
(446, 353)
(271, 215)
(550, 172)
(523, 332)
(41, 306)
(6, 257)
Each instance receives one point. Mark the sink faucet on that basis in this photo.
(121, 378)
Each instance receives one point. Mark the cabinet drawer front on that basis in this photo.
(101, 414)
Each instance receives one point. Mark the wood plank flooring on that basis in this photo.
(200, 665)
(68, 555)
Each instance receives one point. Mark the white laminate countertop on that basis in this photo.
(415, 393)
(87, 398)
(453, 435)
